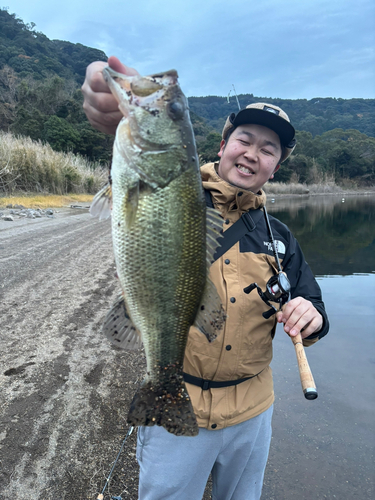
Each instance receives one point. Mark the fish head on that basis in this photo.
(155, 136)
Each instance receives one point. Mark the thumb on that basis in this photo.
(279, 316)
(117, 65)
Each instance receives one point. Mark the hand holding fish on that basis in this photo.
(300, 316)
(100, 105)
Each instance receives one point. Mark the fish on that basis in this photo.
(164, 239)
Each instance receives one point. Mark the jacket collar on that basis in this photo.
(228, 199)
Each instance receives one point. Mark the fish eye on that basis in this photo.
(175, 110)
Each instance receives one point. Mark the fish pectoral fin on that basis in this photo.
(131, 204)
(214, 225)
(102, 203)
(211, 315)
(119, 329)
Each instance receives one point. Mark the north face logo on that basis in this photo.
(280, 247)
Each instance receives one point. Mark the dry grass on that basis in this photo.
(297, 188)
(45, 200)
(26, 165)
(282, 188)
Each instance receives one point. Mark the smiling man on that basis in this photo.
(250, 157)
(229, 381)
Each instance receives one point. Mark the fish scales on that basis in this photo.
(162, 270)
(162, 237)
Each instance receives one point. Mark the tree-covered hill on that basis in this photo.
(315, 115)
(31, 53)
(40, 93)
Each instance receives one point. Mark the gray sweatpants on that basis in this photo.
(177, 468)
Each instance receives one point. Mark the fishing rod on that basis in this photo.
(278, 290)
(235, 93)
(307, 380)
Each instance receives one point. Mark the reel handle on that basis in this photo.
(307, 380)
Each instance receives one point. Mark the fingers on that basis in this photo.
(99, 104)
(94, 78)
(103, 102)
(300, 316)
(117, 65)
(101, 110)
(105, 122)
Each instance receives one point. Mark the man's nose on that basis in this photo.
(251, 153)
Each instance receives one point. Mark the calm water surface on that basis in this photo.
(325, 448)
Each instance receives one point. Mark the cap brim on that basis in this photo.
(279, 125)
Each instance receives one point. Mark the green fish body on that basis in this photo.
(160, 229)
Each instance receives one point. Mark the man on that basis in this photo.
(229, 381)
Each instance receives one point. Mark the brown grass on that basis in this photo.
(276, 188)
(45, 201)
(27, 165)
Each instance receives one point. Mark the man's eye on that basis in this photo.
(267, 152)
(243, 142)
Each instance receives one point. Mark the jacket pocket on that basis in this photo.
(253, 361)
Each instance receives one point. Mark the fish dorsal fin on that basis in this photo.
(119, 329)
(101, 205)
(214, 227)
(211, 315)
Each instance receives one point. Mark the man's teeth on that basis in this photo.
(244, 169)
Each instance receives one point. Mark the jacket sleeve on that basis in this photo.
(303, 284)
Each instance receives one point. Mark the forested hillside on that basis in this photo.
(40, 94)
(30, 52)
(315, 115)
(40, 97)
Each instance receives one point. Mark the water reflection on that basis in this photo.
(336, 233)
(324, 448)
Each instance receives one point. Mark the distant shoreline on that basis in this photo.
(330, 188)
(307, 195)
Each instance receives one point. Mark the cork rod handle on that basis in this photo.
(307, 380)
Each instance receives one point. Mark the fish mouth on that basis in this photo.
(244, 170)
(144, 91)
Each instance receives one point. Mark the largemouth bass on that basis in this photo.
(163, 239)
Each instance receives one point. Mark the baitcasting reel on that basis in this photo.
(277, 290)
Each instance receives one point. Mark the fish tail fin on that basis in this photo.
(167, 405)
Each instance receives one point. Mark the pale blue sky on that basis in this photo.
(273, 48)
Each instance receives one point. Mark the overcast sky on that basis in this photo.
(270, 48)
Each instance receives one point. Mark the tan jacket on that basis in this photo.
(244, 348)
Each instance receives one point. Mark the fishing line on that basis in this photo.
(101, 496)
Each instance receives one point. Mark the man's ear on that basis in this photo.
(276, 169)
(222, 146)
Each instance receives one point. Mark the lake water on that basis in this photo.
(324, 449)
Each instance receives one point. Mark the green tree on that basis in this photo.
(283, 174)
(209, 148)
(61, 135)
(300, 165)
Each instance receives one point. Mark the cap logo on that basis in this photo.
(271, 110)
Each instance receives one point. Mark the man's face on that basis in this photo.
(250, 157)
